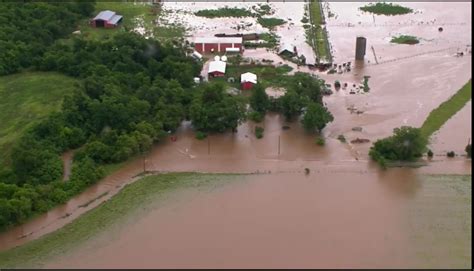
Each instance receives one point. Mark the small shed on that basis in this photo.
(247, 80)
(217, 68)
(287, 49)
(106, 19)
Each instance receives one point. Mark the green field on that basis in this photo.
(132, 13)
(382, 8)
(26, 98)
(446, 110)
(132, 200)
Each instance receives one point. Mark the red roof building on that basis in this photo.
(218, 45)
(247, 80)
(106, 19)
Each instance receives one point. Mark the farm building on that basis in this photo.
(215, 44)
(106, 19)
(287, 49)
(216, 68)
(247, 80)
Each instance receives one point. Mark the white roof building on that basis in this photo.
(286, 47)
(217, 66)
(248, 77)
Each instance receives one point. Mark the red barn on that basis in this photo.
(217, 45)
(217, 68)
(247, 80)
(106, 19)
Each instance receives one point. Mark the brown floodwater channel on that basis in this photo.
(326, 219)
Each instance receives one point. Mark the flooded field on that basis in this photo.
(455, 134)
(287, 220)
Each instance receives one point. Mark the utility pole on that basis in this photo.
(278, 145)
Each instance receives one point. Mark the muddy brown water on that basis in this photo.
(282, 220)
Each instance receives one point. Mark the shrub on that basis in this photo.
(259, 132)
(320, 141)
(256, 116)
(270, 22)
(450, 154)
(468, 150)
(341, 138)
(430, 153)
(200, 135)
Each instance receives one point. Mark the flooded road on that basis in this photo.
(285, 220)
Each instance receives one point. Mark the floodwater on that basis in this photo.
(455, 134)
(285, 220)
(346, 208)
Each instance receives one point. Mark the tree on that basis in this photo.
(468, 150)
(406, 144)
(214, 111)
(316, 117)
(292, 104)
(259, 99)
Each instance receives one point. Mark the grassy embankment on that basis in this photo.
(26, 98)
(134, 14)
(382, 8)
(405, 39)
(446, 110)
(316, 35)
(129, 202)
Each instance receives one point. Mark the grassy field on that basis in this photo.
(270, 23)
(316, 35)
(132, 199)
(134, 14)
(405, 39)
(224, 12)
(26, 98)
(446, 110)
(440, 222)
(382, 8)
(267, 75)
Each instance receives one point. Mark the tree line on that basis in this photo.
(133, 91)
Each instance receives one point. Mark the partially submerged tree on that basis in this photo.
(406, 144)
(212, 110)
(259, 100)
(316, 117)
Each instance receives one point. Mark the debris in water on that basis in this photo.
(360, 141)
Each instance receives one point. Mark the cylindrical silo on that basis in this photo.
(361, 43)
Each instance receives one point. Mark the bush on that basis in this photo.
(256, 116)
(468, 150)
(341, 138)
(430, 153)
(200, 135)
(258, 132)
(450, 154)
(320, 141)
